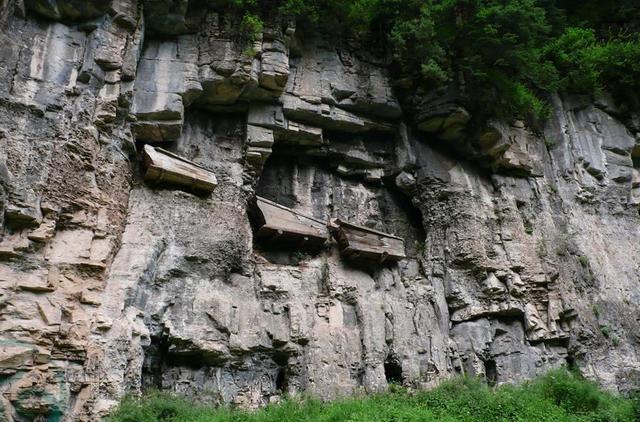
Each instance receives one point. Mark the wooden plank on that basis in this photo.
(166, 167)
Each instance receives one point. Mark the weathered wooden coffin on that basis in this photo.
(363, 243)
(164, 167)
(278, 226)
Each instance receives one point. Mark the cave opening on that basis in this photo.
(281, 359)
(571, 362)
(282, 380)
(155, 357)
(635, 157)
(491, 372)
(276, 181)
(413, 215)
(393, 371)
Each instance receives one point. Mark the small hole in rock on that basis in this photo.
(571, 362)
(393, 371)
(491, 372)
(281, 380)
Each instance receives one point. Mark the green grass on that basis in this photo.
(556, 397)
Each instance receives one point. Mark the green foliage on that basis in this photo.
(558, 396)
(572, 53)
(619, 64)
(635, 403)
(252, 26)
(582, 398)
(295, 8)
(588, 65)
(490, 49)
(249, 51)
(608, 333)
(510, 54)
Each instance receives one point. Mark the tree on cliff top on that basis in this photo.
(504, 56)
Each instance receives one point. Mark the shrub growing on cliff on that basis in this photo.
(587, 65)
(558, 396)
(252, 26)
(504, 56)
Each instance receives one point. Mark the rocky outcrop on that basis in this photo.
(521, 246)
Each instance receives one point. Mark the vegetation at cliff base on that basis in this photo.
(505, 56)
(555, 397)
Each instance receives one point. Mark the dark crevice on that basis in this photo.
(154, 357)
(571, 362)
(282, 380)
(275, 183)
(491, 371)
(635, 156)
(393, 371)
(329, 155)
(413, 214)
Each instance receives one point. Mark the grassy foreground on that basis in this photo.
(558, 396)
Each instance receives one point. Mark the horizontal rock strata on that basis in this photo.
(520, 247)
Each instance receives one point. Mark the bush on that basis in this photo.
(573, 56)
(558, 396)
(583, 398)
(252, 26)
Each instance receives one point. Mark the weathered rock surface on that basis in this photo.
(109, 285)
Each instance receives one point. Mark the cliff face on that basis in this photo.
(522, 249)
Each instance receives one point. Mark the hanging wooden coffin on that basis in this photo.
(164, 167)
(278, 226)
(363, 243)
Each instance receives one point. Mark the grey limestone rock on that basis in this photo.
(521, 247)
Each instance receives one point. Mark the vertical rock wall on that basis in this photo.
(522, 248)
